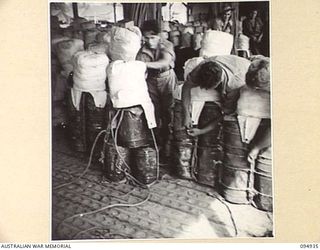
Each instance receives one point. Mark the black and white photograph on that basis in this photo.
(161, 120)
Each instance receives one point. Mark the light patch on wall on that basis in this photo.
(175, 11)
(100, 11)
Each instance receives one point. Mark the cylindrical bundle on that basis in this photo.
(90, 37)
(133, 129)
(179, 131)
(209, 161)
(235, 176)
(145, 164)
(77, 124)
(211, 112)
(115, 161)
(89, 70)
(96, 121)
(182, 155)
(263, 181)
(216, 43)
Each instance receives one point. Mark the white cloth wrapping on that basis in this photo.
(89, 70)
(242, 42)
(216, 43)
(124, 43)
(128, 87)
(99, 97)
(253, 105)
(248, 127)
(65, 51)
(198, 99)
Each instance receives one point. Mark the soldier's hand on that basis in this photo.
(194, 132)
(253, 154)
(187, 121)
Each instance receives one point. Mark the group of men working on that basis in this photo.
(225, 73)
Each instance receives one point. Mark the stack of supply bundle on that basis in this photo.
(88, 99)
(243, 181)
(205, 152)
(254, 118)
(129, 95)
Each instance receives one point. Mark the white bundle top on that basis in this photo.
(128, 87)
(124, 43)
(253, 105)
(242, 42)
(215, 43)
(89, 70)
(65, 51)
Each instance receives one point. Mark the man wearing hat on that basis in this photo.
(226, 17)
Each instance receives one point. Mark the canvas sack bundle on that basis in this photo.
(124, 43)
(216, 43)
